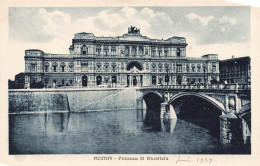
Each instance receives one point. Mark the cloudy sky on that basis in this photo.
(221, 30)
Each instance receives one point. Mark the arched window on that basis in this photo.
(167, 78)
(114, 79)
(178, 52)
(84, 50)
(99, 80)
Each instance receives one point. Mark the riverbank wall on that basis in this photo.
(73, 100)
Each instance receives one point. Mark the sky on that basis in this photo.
(219, 30)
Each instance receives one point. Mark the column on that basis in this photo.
(130, 80)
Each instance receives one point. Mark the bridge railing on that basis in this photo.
(202, 86)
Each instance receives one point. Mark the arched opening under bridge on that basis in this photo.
(152, 102)
(197, 111)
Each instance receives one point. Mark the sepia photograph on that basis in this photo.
(138, 82)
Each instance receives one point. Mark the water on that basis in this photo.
(114, 132)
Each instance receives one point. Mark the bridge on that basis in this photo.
(232, 101)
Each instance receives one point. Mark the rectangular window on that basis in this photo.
(33, 67)
(160, 52)
(166, 53)
(153, 53)
(179, 68)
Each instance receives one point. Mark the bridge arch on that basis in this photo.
(152, 99)
(210, 99)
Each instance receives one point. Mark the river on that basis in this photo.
(113, 132)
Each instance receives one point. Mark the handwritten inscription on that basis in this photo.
(178, 160)
(198, 160)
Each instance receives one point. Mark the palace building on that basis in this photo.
(128, 60)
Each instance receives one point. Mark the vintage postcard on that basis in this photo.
(129, 83)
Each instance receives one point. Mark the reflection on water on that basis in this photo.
(114, 132)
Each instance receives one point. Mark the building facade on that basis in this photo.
(235, 70)
(128, 60)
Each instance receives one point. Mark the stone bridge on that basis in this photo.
(233, 100)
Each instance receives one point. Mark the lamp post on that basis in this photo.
(167, 76)
(204, 70)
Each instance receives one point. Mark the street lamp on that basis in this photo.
(167, 76)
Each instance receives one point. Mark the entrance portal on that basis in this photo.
(84, 80)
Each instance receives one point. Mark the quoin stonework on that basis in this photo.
(128, 60)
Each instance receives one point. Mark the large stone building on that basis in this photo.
(128, 60)
(235, 70)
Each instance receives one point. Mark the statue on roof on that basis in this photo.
(133, 29)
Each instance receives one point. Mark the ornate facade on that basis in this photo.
(128, 60)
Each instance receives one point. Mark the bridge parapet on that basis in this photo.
(230, 87)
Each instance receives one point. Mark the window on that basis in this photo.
(98, 50)
(84, 50)
(147, 66)
(33, 67)
(62, 68)
(140, 52)
(213, 66)
(160, 67)
(99, 66)
(146, 51)
(114, 67)
(153, 67)
(198, 69)
(106, 51)
(113, 50)
(55, 68)
(166, 53)
(188, 68)
(126, 50)
(167, 69)
(133, 51)
(160, 52)
(106, 66)
(153, 53)
(193, 68)
(46, 68)
(178, 52)
(179, 68)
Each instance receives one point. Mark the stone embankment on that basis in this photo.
(73, 100)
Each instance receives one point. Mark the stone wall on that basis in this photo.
(36, 101)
